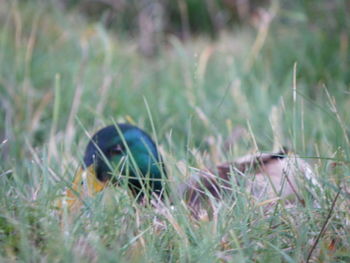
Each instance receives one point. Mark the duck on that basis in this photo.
(123, 154)
(268, 177)
(120, 154)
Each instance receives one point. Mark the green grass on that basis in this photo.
(61, 77)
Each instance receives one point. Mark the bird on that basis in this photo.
(271, 175)
(268, 177)
(123, 154)
(119, 154)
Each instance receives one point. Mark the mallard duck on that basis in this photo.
(271, 175)
(124, 153)
(118, 154)
(267, 177)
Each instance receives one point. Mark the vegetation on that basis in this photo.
(283, 79)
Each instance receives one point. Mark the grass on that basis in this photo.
(62, 77)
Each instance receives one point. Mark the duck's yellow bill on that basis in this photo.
(85, 184)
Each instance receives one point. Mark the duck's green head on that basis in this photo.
(122, 152)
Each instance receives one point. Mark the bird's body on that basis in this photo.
(120, 154)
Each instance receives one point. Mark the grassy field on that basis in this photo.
(284, 82)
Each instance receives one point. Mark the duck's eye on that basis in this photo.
(116, 150)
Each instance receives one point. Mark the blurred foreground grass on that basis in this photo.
(286, 81)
